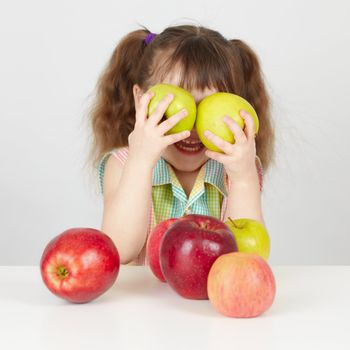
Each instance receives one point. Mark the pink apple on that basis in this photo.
(153, 247)
(188, 250)
(241, 285)
(80, 264)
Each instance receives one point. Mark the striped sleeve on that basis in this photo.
(260, 170)
(101, 169)
(121, 154)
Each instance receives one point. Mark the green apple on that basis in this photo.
(251, 236)
(213, 108)
(182, 99)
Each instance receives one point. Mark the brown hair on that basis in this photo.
(205, 59)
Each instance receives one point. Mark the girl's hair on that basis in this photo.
(204, 59)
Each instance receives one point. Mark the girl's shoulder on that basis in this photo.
(121, 154)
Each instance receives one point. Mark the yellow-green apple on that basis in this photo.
(211, 111)
(188, 250)
(182, 99)
(241, 285)
(80, 264)
(251, 236)
(153, 247)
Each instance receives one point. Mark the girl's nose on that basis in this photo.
(194, 134)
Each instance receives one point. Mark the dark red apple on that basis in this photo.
(188, 250)
(153, 247)
(80, 264)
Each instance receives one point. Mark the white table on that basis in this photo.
(311, 311)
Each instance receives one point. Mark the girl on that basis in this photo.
(147, 176)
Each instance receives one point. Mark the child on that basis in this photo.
(147, 176)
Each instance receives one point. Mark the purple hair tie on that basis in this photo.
(149, 38)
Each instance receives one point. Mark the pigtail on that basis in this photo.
(254, 90)
(113, 113)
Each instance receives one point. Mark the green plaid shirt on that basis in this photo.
(170, 200)
(168, 197)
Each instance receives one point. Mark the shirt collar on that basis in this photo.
(214, 174)
(161, 175)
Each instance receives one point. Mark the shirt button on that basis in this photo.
(188, 210)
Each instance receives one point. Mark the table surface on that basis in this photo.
(311, 308)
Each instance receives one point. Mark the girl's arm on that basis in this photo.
(127, 200)
(127, 191)
(244, 199)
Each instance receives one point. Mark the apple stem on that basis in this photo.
(62, 272)
(233, 223)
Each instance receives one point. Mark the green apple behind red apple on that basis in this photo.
(251, 236)
(182, 99)
(213, 108)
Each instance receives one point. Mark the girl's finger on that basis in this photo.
(157, 115)
(222, 158)
(237, 131)
(249, 128)
(170, 139)
(142, 107)
(165, 126)
(225, 146)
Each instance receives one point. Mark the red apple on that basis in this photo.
(80, 264)
(188, 250)
(153, 247)
(241, 285)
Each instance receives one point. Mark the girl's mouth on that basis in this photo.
(189, 147)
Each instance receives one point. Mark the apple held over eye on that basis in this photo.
(182, 99)
(251, 236)
(188, 250)
(153, 247)
(80, 264)
(241, 285)
(211, 111)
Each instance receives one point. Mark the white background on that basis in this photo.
(51, 54)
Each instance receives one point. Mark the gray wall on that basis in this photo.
(51, 55)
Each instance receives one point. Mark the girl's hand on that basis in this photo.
(238, 158)
(148, 140)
